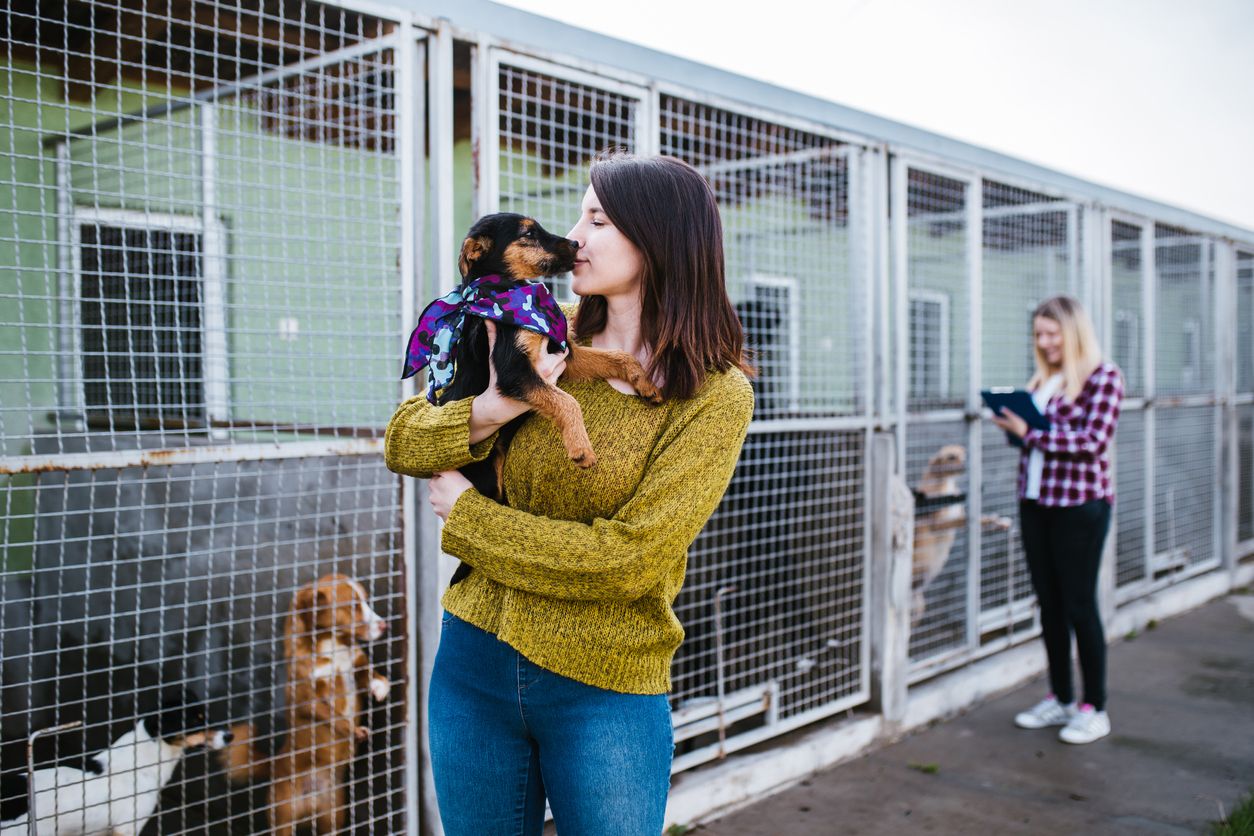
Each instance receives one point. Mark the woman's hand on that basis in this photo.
(492, 410)
(444, 488)
(1011, 423)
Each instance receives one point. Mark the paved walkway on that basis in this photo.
(1182, 708)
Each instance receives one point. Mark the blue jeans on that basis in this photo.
(505, 733)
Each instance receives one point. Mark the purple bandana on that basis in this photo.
(434, 342)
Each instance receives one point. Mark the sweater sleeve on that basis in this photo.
(423, 439)
(1090, 440)
(623, 557)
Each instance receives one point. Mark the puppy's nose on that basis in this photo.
(227, 737)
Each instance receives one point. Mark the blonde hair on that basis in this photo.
(1081, 354)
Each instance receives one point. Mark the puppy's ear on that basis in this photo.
(473, 249)
(305, 608)
(323, 612)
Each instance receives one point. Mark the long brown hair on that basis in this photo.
(1081, 353)
(668, 211)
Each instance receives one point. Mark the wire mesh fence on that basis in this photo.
(198, 221)
(201, 233)
(790, 529)
(1184, 361)
(1184, 488)
(971, 590)
(1006, 596)
(942, 568)
(549, 130)
(1127, 337)
(793, 252)
(1031, 250)
(1131, 499)
(1245, 397)
(1245, 474)
(938, 263)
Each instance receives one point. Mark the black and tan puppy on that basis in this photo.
(518, 249)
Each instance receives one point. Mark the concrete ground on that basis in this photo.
(1181, 751)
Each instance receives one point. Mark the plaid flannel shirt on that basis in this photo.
(1077, 444)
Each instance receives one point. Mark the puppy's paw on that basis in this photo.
(647, 390)
(361, 732)
(380, 688)
(583, 457)
(997, 523)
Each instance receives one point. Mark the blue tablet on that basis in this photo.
(1018, 401)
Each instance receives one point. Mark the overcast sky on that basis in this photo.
(1154, 97)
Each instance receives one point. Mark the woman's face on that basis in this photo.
(1048, 336)
(607, 264)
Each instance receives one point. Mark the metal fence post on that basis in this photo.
(892, 536)
(1226, 419)
(440, 263)
(1097, 282)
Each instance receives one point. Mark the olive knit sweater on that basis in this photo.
(579, 571)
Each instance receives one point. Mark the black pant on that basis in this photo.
(1064, 550)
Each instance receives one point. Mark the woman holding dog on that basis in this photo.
(552, 674)
(1065, 498)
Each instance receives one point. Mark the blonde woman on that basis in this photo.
(1065, 498)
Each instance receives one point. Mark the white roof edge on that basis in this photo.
(552, 36)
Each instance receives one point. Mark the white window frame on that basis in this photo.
(792, 311)
(943, 301)
(1132, 362)
(1191, 361)
(212, 299)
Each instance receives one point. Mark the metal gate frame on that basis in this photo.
(488, 55)
(1149, 404)
(902, 163)
(864, 160)
(1083, 280)
(407, 43)
(1240, 399)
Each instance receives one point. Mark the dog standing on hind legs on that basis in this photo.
(327, 671)
(940, 512)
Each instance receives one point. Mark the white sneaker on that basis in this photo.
(1087, 725)
(1047, 712)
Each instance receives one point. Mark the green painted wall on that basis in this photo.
(31, 107)
(311, 235)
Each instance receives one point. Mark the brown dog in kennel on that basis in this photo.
(327, 673)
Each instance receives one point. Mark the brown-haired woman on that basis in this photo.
(554, 660)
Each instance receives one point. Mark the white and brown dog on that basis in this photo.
(940, 512)
(327, 671)
(113, 792)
